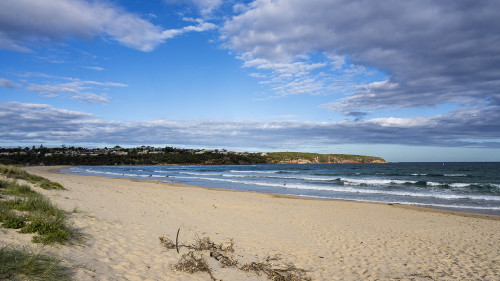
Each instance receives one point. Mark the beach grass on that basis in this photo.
(32, 212)
(11, 188)
(23, 264)
(36, 203)
(9, 218)
(23, 208)
(17, 173)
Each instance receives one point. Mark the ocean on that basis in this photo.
(471, 187)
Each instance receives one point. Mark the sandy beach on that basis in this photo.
(122, 221)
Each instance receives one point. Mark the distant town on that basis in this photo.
(148, 155)
(117, 150)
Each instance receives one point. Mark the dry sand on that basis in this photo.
(333, 240)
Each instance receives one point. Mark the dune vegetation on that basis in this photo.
(28, 211)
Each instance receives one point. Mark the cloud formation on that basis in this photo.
(321, 76)
(27, 23)
(205, 7)
(6, 83)
(434, 52)
(97, 68)
(200, 27)
(37, 123)
(79, 89)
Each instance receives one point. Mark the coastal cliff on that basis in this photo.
(315, 158)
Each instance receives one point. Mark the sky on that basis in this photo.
(412, 80)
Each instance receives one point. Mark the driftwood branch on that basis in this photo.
(177, 240)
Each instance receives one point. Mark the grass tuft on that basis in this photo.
(8, 218)
(12, 188)
(23, 264)
(14, 222)
(46, 184)
(36, 203)
(49, 229)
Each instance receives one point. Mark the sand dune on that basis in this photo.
(333, 240)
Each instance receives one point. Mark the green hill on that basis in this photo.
(146, 155)
(316, 158)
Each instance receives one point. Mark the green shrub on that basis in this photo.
(49, 229)
(14, 222)
(46, 184)
(8, 218)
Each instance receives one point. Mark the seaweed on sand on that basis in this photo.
(277, 272)
(194, 261)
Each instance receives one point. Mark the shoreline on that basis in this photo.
(331, 239)
(455, 211)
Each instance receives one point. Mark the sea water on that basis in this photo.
(471, 187)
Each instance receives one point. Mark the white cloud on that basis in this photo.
(287, 78)
(305, 76)
(72, 87)
(91, 98)
(433, 52)
(28, 23)
(78, 88)
(112, 84)
(205, 7)
(401, 122)
(200, 27)
(95, 68)
(25, 123)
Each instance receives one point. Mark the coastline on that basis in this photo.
(464, 213)
(372, 187)
(331, 239)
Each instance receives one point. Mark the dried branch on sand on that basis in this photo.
(193, 263)
(194, 260)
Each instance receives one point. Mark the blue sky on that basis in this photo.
(403, 80)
